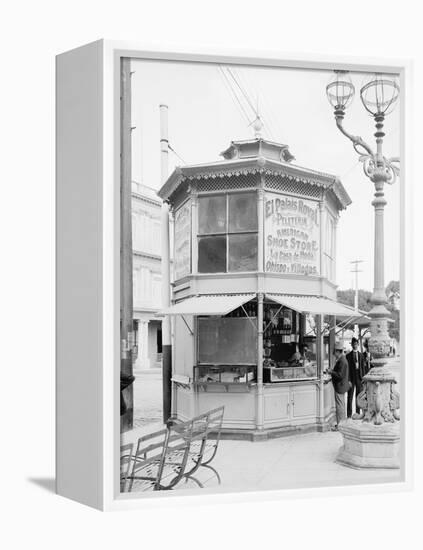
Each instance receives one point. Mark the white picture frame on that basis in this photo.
(88, 267)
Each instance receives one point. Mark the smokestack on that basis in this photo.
(164, 143)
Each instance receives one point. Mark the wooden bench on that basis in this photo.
(204, 447)
(166, 457)
(160, 459)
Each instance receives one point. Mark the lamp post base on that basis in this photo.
(368, 445)
(372, 438)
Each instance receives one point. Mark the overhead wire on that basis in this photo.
(348, 172)
(175, 153)
(243, 92)
(246, 95)
(269, 119)
(234, 97)
(266, 117)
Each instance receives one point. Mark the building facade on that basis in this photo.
(147, 299)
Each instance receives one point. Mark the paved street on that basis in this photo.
(305, 460)
(147, 398)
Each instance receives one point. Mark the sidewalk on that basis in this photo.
(306, 460)
(297, 461)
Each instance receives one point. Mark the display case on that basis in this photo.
(225, 375)
(273, 372)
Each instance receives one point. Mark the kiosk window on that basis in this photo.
(242, 212)
(243, 252)
(227, 340)
(212, 215)
(227, 233)
(212, 254)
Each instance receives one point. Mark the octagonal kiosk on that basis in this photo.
(254, 295)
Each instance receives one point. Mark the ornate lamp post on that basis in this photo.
(371, 439)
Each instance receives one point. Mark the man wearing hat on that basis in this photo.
(340, 383)
(356, 371)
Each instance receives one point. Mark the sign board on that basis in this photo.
(182, 256)
(292, 235)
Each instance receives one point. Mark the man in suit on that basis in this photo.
(356, 370)
(339, 375)
(367, 357)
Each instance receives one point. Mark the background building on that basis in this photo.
(146, 237)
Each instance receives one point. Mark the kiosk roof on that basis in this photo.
(207, 305)
(314, 304)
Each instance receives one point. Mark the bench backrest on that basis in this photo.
(172, 445)
(175, 452)
(161, 447)
(125, 463)
(150, 449)
(215, 420)
(151, 445)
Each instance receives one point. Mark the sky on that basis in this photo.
(205, 116)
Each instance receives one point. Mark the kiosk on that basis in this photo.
(254, 296)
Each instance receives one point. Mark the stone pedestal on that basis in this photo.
(372, 438)
(367, 445)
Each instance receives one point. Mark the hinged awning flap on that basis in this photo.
(317, 305)
(207, 305)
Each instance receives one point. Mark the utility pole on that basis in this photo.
(356, 271)
(126, 299)
(166, 326)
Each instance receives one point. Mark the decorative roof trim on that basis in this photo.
(256, 165)
(341, 193)
(236, 147)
